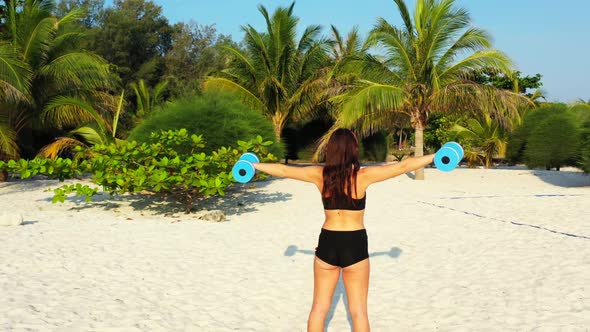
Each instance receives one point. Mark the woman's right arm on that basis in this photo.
(372, 174)
(303, 173)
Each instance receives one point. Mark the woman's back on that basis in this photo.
(346, 215)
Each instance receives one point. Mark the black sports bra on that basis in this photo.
(355, 205)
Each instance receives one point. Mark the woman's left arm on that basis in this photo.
(303, 173)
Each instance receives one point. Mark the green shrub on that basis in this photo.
(553, 142)
(516, 144)
(375, 147)
(551, 136)
(584, 161)
(59, 168)
(157, 166)
(518, 139)
(221, 118)
(581, 113)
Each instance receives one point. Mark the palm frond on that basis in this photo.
(8, 140)
(396, 47)
(463, 132)
(250, 99)
(142, 97)
(63, 42)
(491, 59)
(477, 99)
(257, 49)
(446, 25)
(91, 134)
(77, 69)
(72, 16)
(473, 39)
(306, 99)
(58, 146)
(158, 92)
(15, 75)
(36, 44)
(338, 49)
(246, 64)
(65, 111)
(309, 62)
(405, 14)
(147, 99)
(367, 101)
(309, 37)
(118, 113)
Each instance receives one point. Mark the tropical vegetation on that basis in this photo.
(46, 77)
(427, 66)
(404, 89)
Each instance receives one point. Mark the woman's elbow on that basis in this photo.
(404, 166)
(282, 171)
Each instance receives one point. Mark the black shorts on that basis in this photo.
(342, 248)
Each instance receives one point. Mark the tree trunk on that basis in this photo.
(278, 122)
(419, 152)
(3, 176)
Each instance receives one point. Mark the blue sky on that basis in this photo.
(541, 36)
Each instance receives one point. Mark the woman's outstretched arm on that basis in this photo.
(373, 174)
(303, 173)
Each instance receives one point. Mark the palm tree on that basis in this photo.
(147, 99)
(275, 73)
(340, 74)
(46, 65)
(15, 78)
(425, 68)
(487, 138)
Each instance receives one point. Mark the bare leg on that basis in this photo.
(325, 278)
(356, 282)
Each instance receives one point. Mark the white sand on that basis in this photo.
(446, 255)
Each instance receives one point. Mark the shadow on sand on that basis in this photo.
(15, 185)
(568, 179)
(340, 291)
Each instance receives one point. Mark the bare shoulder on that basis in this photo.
(362, 176)
(317, 172)
(372, 174)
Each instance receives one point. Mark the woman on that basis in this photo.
(342, 243)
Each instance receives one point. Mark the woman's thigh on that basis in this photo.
(325, 277)
(356, 283)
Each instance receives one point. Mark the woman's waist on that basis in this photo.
(343, 224)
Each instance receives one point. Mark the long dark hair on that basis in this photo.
(341, 167)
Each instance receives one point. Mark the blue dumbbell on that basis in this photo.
(457, 148)
(243, 171)
(448, 157)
